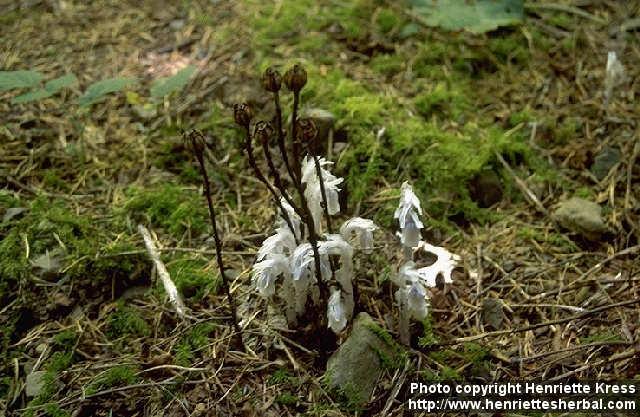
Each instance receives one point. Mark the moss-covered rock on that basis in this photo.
(354, 369)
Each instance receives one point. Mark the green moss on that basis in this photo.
(602, 336)
(428, 337)
(65, 340)
(192, 342)
(387, 20)
(191, 278)
(510, 48)
(398, 355)
(126, 321)
(444, 100)
(474, 353)
(52, 180)
(567, 130)
(440, 161)
(168, 206)
(286, 398)
(562, 20)
(120, 375)
(523, 116)
(280, 376)
(387, 64)
(54, 410)
(59, 362)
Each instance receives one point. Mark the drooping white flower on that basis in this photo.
(407, 214)
(335, 245)
(336, 316)
(282, 242)
(293, 216)
(302, 261)
(362, 229)
(417, 301)
(313, 193)
(266, 272)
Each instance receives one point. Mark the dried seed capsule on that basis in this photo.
(242, 114)
(295, 78)
(263, 132)
(306, 131)
(271, 80)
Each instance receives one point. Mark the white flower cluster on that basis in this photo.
(281, 259)
(413, 281)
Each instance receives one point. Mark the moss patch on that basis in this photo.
(168, 206)
(120, 375)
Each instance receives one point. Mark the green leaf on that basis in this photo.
(33, 95)
(18, 79)
(476, 16)
(165, 86)
(57, 84)
(97, 91)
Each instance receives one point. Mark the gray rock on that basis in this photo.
(354, 369)
(34, 383)
(581, 216)
(604, 161)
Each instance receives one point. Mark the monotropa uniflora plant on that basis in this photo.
(413, 281)
(306, 267)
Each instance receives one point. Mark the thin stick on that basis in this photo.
(538, 325)
(197, 142)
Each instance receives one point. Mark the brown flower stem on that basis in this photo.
(197, 147)
(263, 179)
(280, 186)
(294, 138)
(323, 193)
(281, 138)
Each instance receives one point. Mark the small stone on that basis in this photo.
(34, 383)
(492, 313)
(581, 216)
(353, 370)
(604, 161)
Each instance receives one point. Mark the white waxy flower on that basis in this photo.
(335, 245)
(336, 313)
(407, 214)
(614, 74)
(302, 261)
(417, 301)
(293, 216)
(282, 242)
(362, 229)
(312, 192)
(265, 274)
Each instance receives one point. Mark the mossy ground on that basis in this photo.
(442, 110)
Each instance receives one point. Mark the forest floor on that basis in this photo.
(493, 130)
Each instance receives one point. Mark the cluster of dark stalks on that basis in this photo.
(291, 143)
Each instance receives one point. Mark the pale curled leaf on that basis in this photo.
(163, 274)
